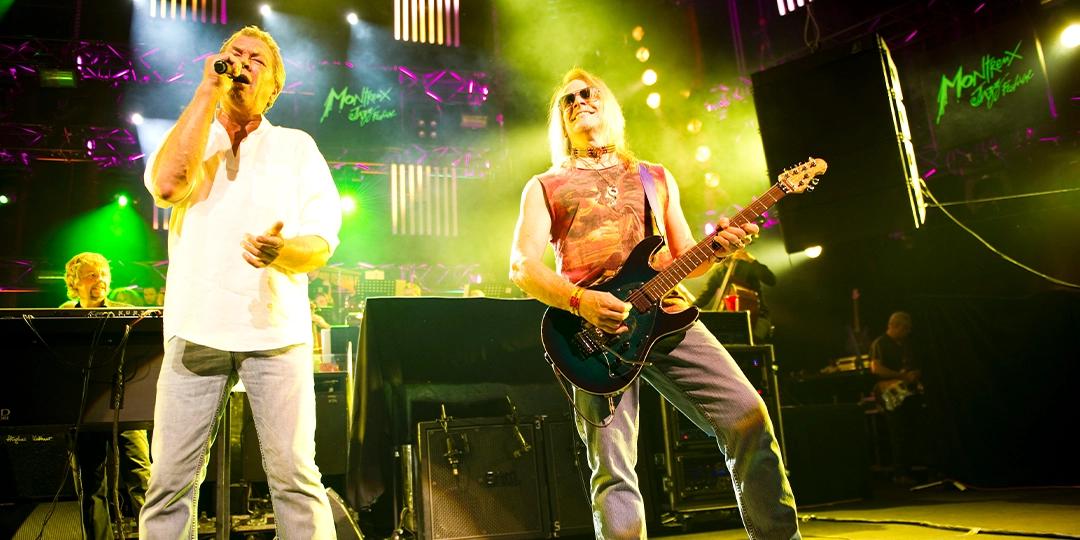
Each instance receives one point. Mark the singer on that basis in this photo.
(254, 210)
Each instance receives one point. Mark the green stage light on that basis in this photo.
(348, 204)
(1070, 37)
(122, 200)
(653, 100)
(648, 78)
(4, 199)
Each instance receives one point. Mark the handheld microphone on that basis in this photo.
(222, 67)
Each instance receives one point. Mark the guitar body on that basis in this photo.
(601, 363)
(604, 364)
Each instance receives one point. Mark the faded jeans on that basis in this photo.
(701, 379)
(191, 393)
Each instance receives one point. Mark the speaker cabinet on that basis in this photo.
(33, 462)
(481, 478)
(846, 107)
(331, 437)
(567, 479)
(694, 471)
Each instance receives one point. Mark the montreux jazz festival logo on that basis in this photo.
(986, 86)
(367, 107)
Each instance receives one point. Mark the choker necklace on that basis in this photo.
(593, 151)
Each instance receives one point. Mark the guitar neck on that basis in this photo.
(661, 284)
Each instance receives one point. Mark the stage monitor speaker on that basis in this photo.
(567, 479)
(828, 453)
(481, 478)
(33, 462)
(846, 107)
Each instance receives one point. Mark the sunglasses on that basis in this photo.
(588, 93)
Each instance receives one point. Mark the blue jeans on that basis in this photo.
(191, 392)
(701, 379)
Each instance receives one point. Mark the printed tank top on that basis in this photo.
(598, 216)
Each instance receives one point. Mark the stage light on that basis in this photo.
(136, 119)
(712, 179)
(813, 252)
(638, 33)
(122, 200)
(1070, 36)
(348, 204)
(4, 199)
(648, 77)
(265, 10)
(642, 54)
(702, 153)
(694, 126)
(352, 18)
(653, 101)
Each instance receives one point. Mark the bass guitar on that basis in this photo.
(601, 363)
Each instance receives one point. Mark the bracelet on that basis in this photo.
(575, 300)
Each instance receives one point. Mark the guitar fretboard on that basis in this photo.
(661, 284)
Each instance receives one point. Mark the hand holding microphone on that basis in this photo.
(226, 68)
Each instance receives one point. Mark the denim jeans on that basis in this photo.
(700, 378)
(191, 392)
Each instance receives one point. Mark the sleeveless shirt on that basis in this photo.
(598, 216)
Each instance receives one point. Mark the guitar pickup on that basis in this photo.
(586, 343)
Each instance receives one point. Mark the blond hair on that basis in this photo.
(276, 62)
(73, 266)
(611, 115)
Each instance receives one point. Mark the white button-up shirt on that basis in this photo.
(214, 297)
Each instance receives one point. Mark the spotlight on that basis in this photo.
(4, 199)
(265, 10)
(348, 204)
(136, 119)
(653, 101)
(122, 200)
(813, 252)
(638, 33)
(642, 54)
(702, 154)
(694, 126)
(648, 77)
(1070, 36)
(352, 18)
(712, 179)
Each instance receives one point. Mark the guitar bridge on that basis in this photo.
(589, 340)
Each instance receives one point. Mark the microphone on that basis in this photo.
(222, 67)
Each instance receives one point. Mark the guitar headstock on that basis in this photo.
(803, 176)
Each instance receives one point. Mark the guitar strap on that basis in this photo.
(653, 209)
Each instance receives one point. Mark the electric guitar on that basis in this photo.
(601, 363)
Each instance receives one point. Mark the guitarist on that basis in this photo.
(899, 381)
(591, 206)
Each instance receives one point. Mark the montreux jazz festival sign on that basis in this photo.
(366, 107)
(984, 87)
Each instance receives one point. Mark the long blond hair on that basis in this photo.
(612, 116)
(276, 62)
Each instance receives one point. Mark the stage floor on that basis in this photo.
(945, 510)
(939, 511)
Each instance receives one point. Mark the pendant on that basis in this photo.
(611, 196)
